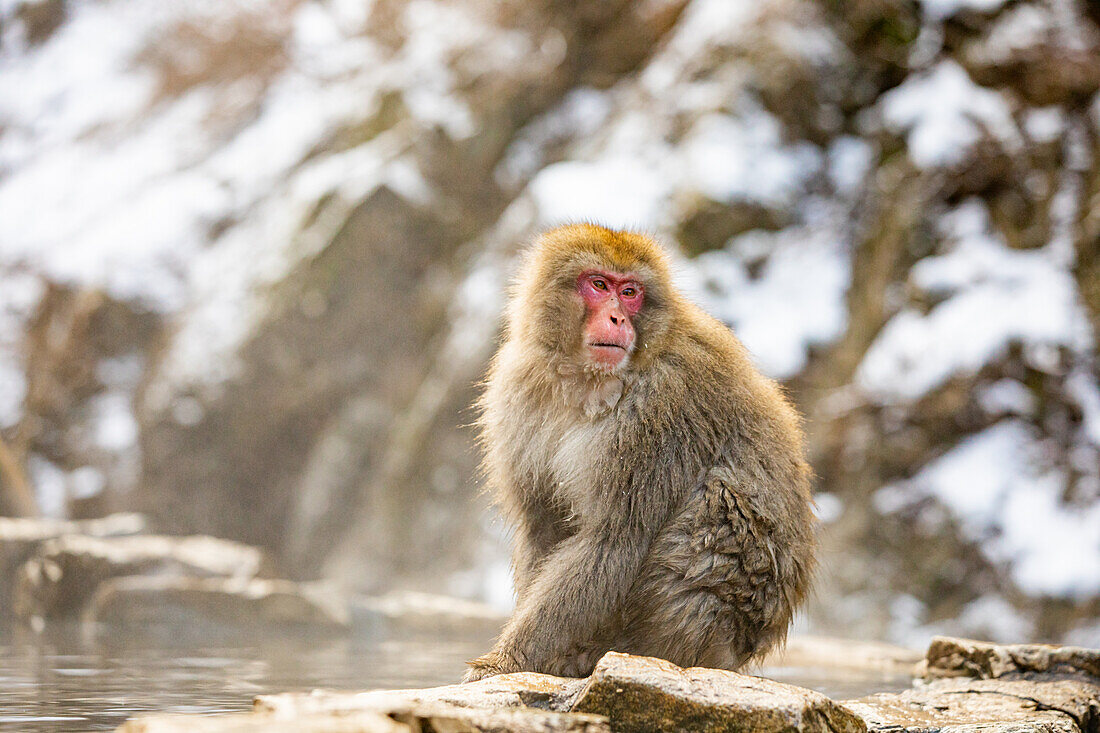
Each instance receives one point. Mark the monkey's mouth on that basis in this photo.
(607, 355)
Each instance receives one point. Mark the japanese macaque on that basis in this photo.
(655, 478)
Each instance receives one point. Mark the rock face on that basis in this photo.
(982, 686)
(965, 705)
(108, 571)
(650, 695)
(362, 722)
(522, 689)
(195, 604)
(636, 694)
(1042, 690)
(20, 539)
(949, 657)
(66, 572)
(440, 718)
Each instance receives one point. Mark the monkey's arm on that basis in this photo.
(541, 528)
(579, 587)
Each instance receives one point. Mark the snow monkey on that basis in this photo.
(655, 478)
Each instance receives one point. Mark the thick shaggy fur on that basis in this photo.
(662, 508)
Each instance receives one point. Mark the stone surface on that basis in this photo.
(398, 718)
(363, 722)
(949, 657)
(62, 577)
(646, 694)
(142, 601)
(1009, 688)
(423, 611)
(441, 717)
(522, 689)
(997, 706)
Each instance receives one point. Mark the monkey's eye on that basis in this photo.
(629, 292)
(599, 284)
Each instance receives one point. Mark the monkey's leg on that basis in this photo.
(720, 583)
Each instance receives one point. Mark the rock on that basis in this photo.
(1045, 693)
(67, 570)
(1020, 687)
(635, 693)
(424, 612)
(439, 717)
(948, 657)
(25, 529)
(251, 723)
(20, 538)
(991, 706)
(181, 602)
(522, 689)
(646, 694)
(387, 719)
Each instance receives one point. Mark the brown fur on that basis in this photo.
(661, 509)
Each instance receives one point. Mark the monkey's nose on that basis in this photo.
(614, 319)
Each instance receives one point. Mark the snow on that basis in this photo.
(49, 483)
(616, 192)
(1008, 501)
(1007, 397)
(1086, 635)
(993, 296)
(849, 163)
(1026, 26)
(13, 388)
(134, 189)
(705, 23)
(19, 294)
(797, 301)
(939, 10)
(743, 158)
(580, 114)
(113, 425)
(944, 114)
(1045, 124)
(628, 180)
(828, 506)
(1082, 387)
(85, 482)
(992, 617)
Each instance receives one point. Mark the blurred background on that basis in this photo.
(252, 259)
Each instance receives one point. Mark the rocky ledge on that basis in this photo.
(112, 572)
(962, 687)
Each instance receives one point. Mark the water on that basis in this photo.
(72, 680)
(78, 679)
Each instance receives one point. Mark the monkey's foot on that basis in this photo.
(473, 674)
(488, 665)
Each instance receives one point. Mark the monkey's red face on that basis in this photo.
(611, 301)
